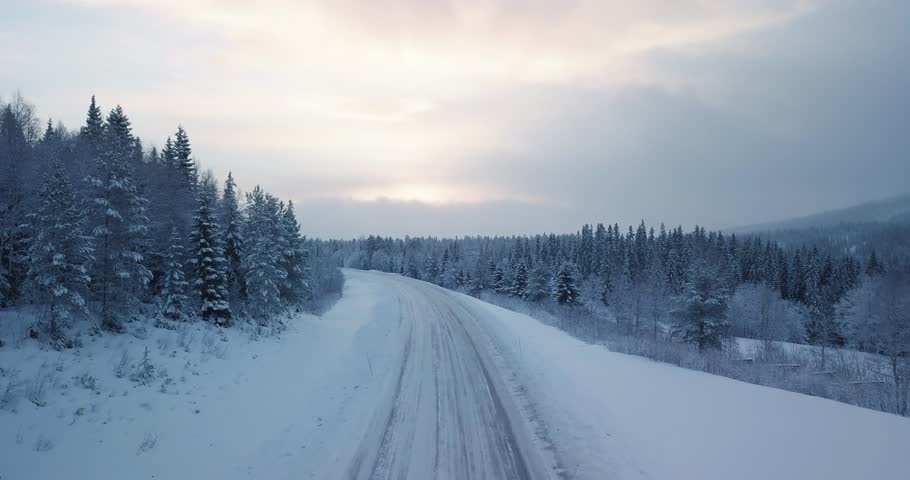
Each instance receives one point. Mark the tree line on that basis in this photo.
(699, 287)
(94, 225)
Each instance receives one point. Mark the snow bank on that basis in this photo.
(618, 416)
(217, 404)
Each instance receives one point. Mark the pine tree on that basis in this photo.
(566, 289)
(14, 160)
(519, 280)
(183, 160)
(499, 280)
(538, 287)
(93, 131)
(208, 265)
(873, 266)
(261, 265)
(173, 294)
(120, 226)
(59, 257)
(294, 288)
(231, 222)
(701, 318)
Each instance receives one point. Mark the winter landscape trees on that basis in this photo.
(672, 287)
(95, 227)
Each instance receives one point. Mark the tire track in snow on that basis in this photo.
(445, 414)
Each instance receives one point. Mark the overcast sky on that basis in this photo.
(501, 116)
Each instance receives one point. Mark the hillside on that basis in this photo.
(890, 210)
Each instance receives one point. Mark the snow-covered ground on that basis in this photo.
(402, 379)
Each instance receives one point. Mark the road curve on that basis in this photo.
(448, 413)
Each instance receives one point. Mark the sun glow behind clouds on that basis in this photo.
(409, 89)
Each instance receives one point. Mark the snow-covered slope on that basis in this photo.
(894, 209)
(402, 379)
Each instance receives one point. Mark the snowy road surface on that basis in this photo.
(447, 412)
(405, 380)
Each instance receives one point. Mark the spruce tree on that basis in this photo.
(566, 290)
(120, 226)
(294, 288)
(538, 287)
(231, 223)
(173, 294)
(519, 280)
(184, 161)
(208, 265)
(93, 131)
(701, 319)
(14, 162)
(261, 264)
(59, 257)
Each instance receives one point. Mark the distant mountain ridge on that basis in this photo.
(889, 210)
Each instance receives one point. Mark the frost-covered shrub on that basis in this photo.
(144, 372)
(43, 444)
(36, 390)
(149, 441)
(87, 382)
(123, 367)
(11, 392)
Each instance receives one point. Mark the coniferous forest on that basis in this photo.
(97, 230)
(669, 287)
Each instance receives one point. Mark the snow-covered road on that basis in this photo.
(447, 411)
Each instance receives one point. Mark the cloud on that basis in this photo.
(538, 115)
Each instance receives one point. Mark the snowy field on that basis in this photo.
(405, 379)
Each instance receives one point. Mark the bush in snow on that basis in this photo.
(149, 441)
(123, 367)
(9, 396)
(36, 390)
(43, 444)
(144, 373)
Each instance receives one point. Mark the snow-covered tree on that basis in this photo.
(519, 280)
(184, 161)
(538, 287)
(294, 288)
(118, 217)
(878, 313)
(14, 161)
(208, 264)
(231, 223)
(59, 257)
(566, 291)
(174, 303)
(263, 272)
(701, 318)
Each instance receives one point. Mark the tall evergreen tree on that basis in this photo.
(173, 294)
(208, 265)
(14, 158)
(295, 288)
(184, 161)
(231, 222)
(566, 289)
(59, 257)
(120, 226)
(261, 265)
(701, 319)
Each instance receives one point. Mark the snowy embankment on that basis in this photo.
(218, 405)
(311, 403)
(613, 414)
